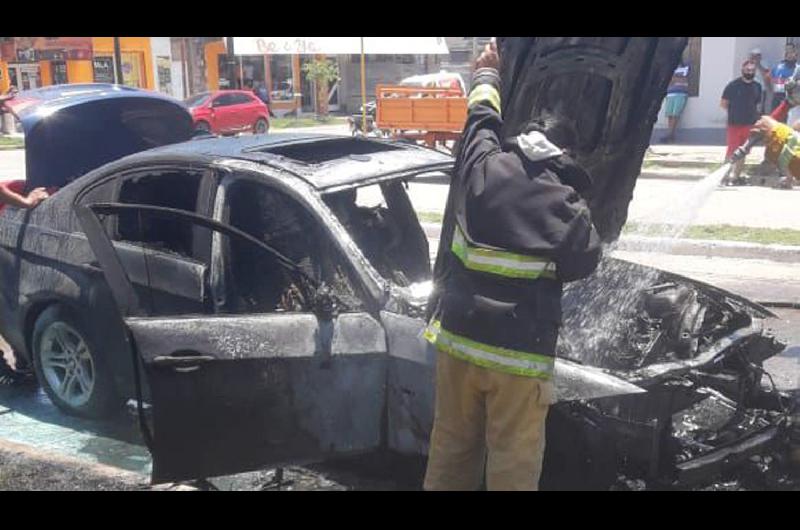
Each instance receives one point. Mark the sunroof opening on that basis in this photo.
(327, 150)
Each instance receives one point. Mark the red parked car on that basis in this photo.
(228, 112)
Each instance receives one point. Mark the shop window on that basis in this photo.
(243, 72)
(395, 59)
(59, 72)
(164, 67)
(103, 69)
(133, 69)
(282, 88)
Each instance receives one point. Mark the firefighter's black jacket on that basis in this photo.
(500, 199)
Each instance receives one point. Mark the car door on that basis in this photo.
(244, 112)
(237, 390)
(223, 112)
(247, 111)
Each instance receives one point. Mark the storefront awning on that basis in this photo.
(339, 45)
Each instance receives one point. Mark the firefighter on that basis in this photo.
(783, 141)
(783, 145)
(515, 228)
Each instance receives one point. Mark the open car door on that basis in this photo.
(238, 391)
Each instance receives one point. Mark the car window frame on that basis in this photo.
(221, 97)
(245, 99)
(206, 194)
(362, 285)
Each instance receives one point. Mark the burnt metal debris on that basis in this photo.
(272, 292)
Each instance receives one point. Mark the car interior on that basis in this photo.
(381, 221)
(255, 281)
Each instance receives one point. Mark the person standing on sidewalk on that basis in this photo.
(762, 78)
(781, 73)
(677, 94)
(515, 228)
(740, 99)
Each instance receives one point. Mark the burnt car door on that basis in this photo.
(286, 374)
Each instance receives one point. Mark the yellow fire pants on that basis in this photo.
(486, 417)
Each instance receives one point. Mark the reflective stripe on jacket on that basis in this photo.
(499, 262)
(493, 357)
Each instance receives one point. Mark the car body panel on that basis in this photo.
(286, 387)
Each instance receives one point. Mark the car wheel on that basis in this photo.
(261, 126)
(70, 367)
(202, 126)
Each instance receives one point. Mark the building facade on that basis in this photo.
(290, 91)
(32, 62)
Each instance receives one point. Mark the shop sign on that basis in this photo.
(103, 69)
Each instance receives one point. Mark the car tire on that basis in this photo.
(261, 126)
(202, 126)
(70, 367)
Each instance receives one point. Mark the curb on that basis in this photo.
(674, 174)
(709, 247)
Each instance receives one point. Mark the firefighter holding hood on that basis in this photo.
(516, 227)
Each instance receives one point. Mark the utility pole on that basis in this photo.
(118, 61)
(231, 62)
(185, 68)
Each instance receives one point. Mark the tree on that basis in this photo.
(322, 72)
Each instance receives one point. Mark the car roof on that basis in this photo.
(326, 162)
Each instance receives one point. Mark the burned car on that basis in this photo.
(266, 296)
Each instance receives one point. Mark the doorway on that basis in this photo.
(24, 76)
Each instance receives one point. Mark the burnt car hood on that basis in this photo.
(645, 325)
(612, 87)
(73, 129)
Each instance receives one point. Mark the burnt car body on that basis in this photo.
(270, 294)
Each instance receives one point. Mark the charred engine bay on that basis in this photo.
(711, 414)
(626, 317)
